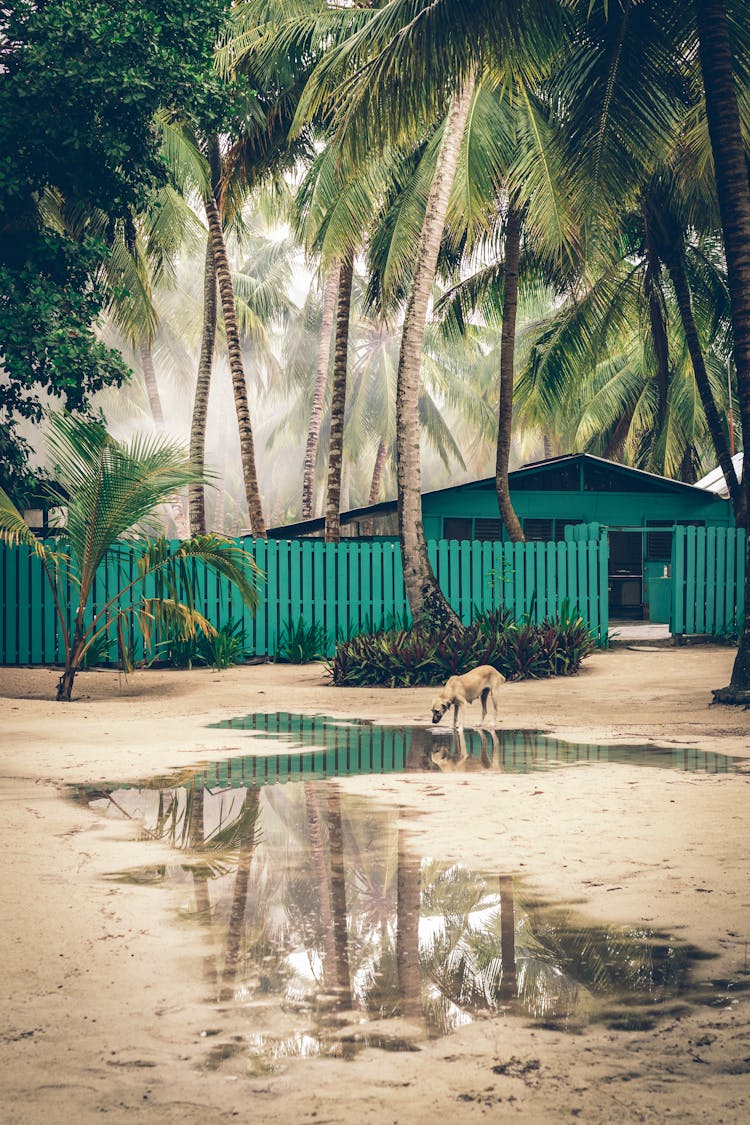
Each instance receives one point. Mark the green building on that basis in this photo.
(637, 510)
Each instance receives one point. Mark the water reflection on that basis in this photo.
(318, 746)
(328, 932)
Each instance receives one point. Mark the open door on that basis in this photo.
(626, 574)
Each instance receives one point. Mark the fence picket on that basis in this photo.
(464, 582)
(355, 605)
(677, 624)
(731, 578)
(711, 587)
(23, 636)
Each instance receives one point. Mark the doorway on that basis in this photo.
(626, 574)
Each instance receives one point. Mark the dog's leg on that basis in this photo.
(457, 716)
(495, 708)
(483, 696)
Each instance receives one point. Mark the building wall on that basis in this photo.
(615, 509)
(611, 509)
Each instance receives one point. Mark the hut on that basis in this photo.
(638, 511)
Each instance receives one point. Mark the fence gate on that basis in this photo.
(708, 579)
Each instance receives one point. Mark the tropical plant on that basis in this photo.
(423, 656)
(220, 649)
(301, 642)
(109, 490)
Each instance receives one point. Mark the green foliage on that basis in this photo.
(420, 657)
(178, 652)
(78, 152)
(97, 653)
(225, 648)
(110, 490)
(218, 650)
(300, 643)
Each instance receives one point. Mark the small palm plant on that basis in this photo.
(110, 491)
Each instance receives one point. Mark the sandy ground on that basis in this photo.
(101, 1018)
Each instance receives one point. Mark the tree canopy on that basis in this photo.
(78, 153)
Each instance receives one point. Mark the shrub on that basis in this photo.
(301, 643)
(421, 657)
(96, 654)
(225, 648)
(219, 651)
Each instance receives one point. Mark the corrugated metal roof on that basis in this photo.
(715, 482)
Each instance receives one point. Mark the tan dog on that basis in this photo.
(482, 683)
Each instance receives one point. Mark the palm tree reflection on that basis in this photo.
(322, 915)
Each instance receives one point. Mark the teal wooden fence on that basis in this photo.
(576, 532)
(344, 588)
(708, 579)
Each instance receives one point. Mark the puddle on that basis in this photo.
(319, 746)
(325, 931)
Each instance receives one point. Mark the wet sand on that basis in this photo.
(102, 1016)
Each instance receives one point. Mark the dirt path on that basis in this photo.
(102, 1017)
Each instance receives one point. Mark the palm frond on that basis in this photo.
(14, 530)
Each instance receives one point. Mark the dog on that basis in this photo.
(482, 683)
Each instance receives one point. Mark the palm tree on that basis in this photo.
(733, 188)
(338, 401)
(426, 599)
(330, 294)
(109, 490)
(199, 420)
(214, 201)
(359, 86)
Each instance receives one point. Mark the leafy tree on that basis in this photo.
(77, 101)
(108, 491)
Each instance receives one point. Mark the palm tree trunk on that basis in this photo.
(408, 902)
(236, 926)
(239, 386)
(197, 492)
(676, 266)
(426, 600)
(338, 900)
(507, 362)
(152, 389)
(311, 790)
(338, 402)
(657, 318)
(368, 526)
(733, 188)
(72, 660)
(509, 980)
(377, 471)
(174, 506)
(330, 292)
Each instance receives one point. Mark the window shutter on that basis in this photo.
(537, 530)
(488, 531)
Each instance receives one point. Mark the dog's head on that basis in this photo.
(439, 707)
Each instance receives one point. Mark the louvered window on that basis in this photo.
(488, 531)
(537, 530)
(658, 543)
